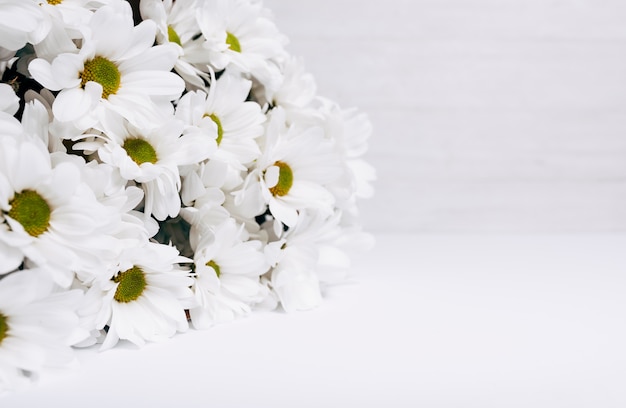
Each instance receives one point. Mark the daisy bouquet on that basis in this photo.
(163, 164)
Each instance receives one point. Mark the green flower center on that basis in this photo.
(132, 283)
(218, 122)
(4, 327)
(215, 267)
(32, 211)
(285, 179)
(140, 151)
(172, 35)
(233, 42)
(104, 72)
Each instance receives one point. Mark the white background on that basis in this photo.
(489, 115)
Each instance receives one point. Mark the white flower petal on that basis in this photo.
(153, 83)
(72, 104)
(9, 102)
(157, 58)
(282, 212)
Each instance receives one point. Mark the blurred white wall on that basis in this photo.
(489, 115)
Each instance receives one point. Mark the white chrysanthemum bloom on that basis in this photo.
(227, 270)
(202, 184)
(204, 200)
(315, 252)
(37, 326)
(294, 276)
(117, 68)
(21, 22)
(224, 115)
(56, 132)
(151, 157)
(350, 130)
(253, 41)
(297, 88)
(46, 213)
(177, 23)
(67, 19)
(146, 298)
(73, 14)
(127, 227)
(103, 246)
(294, 168)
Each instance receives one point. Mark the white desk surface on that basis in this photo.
(426, 321)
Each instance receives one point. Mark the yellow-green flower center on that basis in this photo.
(285, 179)
(32, 211)
(220, 129)
(233, 42)
(140, 151)
(215, 267)
(132, 283)
(4, 327)
(55, 2)
(172, 35)
(104, 72)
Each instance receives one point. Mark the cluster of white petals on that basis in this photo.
(163, 166)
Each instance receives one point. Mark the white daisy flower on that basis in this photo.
(37, 326)
(46, 214)
(67, 20)
(227, 117)
(315, 253)
(350, 130)
(296, 259)
(227, 271)
(177, 24)
(125, 227)
(297, 88)
(117, 69)
(294, 168)
(204, 199)
(294, 278)
(254, 43)
(21, 22)
(202, 184)
(72, 14)
(146, 298)
(151, 157)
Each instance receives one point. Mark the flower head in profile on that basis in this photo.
(296, 91)
(313, 253)
(117, 68)
(350, 129)
(227, 270)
